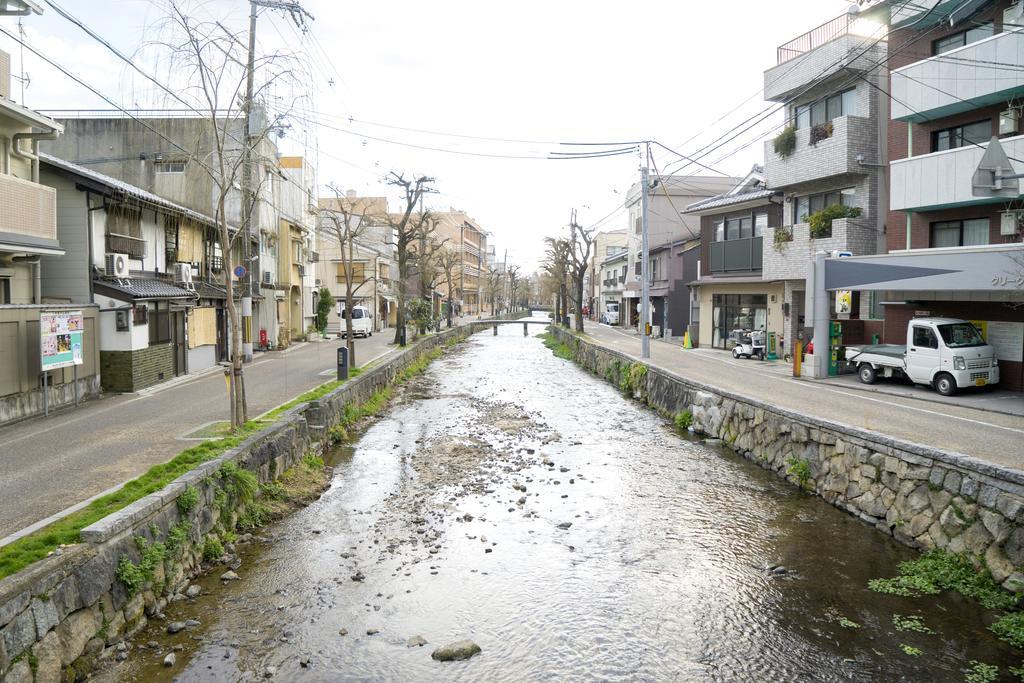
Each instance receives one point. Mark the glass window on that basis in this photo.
(925, 338)
(971, 35)
(946, 234)
(959, 335)
(803, 117)
(803, 209)
(849, 102)
(834, 106)
(732, 229)
(975, 232)
(848, 196)
(818, 113)
(760, 224)
(719, 231)
(961, 136)
(746, 227)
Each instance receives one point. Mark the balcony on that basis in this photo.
(29, 210)
(967, 78)
(790, 260)
(734, 256)
(833, 156)
(822, 53)
(943, 179)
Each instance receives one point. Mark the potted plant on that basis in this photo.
(785, 142)
(822, 131)
(781, 237)
(821, 222)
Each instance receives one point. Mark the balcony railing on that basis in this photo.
(815, 38)
(27, 208)
(135, 247)
(733, 256)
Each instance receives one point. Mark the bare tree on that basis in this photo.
(581, 241)
(346, 221)
(514, 285)
(407, 229)
(495, 289)
(449, 261)
(556, 266)
(213, 62)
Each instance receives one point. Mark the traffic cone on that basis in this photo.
(687, 343)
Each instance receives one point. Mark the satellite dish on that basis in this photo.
(991, 177)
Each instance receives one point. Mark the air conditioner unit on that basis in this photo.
(117, 265)
(1011, 222)
(183, 273)
(1009, 121)
(268, 277)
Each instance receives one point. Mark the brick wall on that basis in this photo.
(135, 370)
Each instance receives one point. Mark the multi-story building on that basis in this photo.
(168, 156)
(829, 160)
(374, 265)
(955, 243)
(152, 266)
(29, 242)
(463, 233)
(296, 272)
(733, 294)
(606, 244)
(666, 224)
(612, 275)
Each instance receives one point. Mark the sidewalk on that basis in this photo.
(994, 437)
(51, 463)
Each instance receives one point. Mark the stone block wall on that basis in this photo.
(135, 370)
(924, 497)
(62, 613)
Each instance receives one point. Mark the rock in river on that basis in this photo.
(229, 576)
(454, 652)
(170, 659)
(417, 641)
(175, 627)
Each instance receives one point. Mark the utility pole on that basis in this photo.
(645, 285)
(298, 15)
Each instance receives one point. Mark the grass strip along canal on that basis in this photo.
(508, 498)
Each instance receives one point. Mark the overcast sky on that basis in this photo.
(678, 71)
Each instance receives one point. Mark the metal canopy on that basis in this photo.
(998, 268)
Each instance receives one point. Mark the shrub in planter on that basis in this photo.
(785, 142)
(822, 131)
(821, 222)
(782, 236)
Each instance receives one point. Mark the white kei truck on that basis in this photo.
(944, 353)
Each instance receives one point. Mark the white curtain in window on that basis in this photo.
(976, 232)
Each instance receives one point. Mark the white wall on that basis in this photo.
(137, 337)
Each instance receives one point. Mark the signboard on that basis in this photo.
(60, 337)
(1007, 338)
(844, 301)
(239, 272)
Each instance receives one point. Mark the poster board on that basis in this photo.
(1007, 338)
(61, 335)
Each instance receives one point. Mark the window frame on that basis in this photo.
(170, 166)
(821, 201)
(960, 224)
(817, 112)
(962, 36)
(959, 138)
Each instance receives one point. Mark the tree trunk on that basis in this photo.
(236, 395)
(579, 304)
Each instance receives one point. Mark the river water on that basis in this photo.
(660, 577)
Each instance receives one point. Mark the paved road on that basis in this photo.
(988, 436)
(52, 463)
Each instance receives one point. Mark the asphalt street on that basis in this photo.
(995, 437)
(73, 455)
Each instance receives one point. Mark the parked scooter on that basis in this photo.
(749, 344)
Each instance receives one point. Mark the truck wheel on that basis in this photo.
(867, 373)
(945, 384)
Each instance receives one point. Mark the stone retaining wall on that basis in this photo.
(922, 496)
(58, 616)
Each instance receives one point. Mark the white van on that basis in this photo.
(362, 321)
(611, 314)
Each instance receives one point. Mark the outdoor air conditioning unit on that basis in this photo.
(1011, 222)
(1009, 121)
(117, 265)
(268, 277)
(183, 273)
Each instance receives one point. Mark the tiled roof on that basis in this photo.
(729, 200)
(206, 290)
(143, 288)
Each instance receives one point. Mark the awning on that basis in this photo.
(993, 268)
(27, 244)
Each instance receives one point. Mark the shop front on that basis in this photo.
(729, 308)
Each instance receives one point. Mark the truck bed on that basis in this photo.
(894, 351)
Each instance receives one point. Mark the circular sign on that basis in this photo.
(239, 271)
